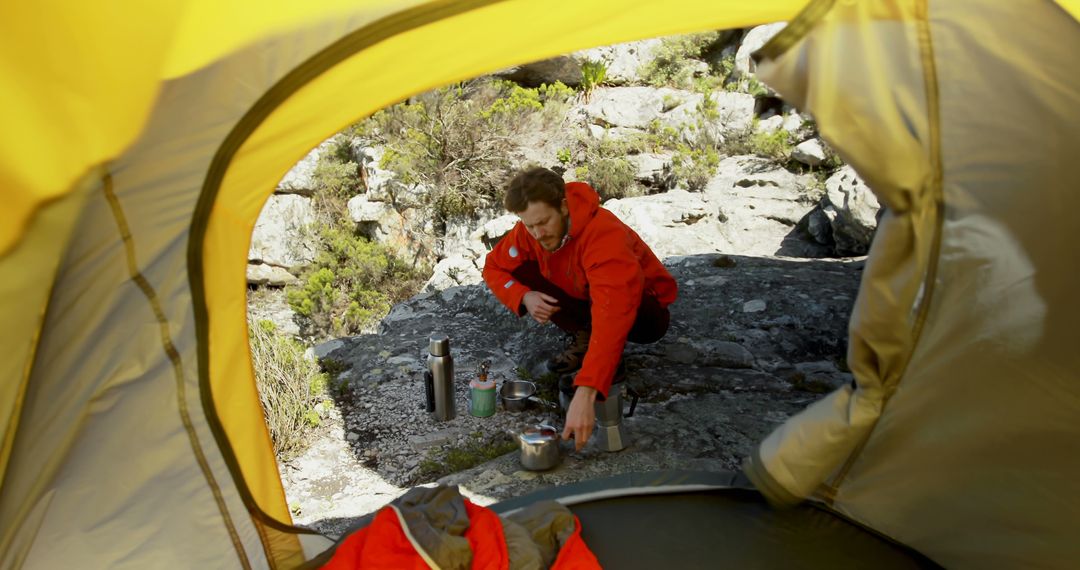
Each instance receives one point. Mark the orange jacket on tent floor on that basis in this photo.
(438, 528)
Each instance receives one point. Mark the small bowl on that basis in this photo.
(515, 394)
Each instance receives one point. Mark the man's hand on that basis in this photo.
(581, 416)
(540, 305)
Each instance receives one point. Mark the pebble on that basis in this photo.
(754, 306)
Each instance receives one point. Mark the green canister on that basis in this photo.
(482, 393)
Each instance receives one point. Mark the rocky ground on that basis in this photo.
(753, 340)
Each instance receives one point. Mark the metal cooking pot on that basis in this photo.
(539, 447)
(515, 394)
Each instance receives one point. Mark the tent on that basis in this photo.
(141, 139)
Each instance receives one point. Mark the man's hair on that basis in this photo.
(536, 184)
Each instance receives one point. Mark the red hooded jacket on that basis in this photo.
(603, 261)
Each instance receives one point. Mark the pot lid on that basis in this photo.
(538, 434)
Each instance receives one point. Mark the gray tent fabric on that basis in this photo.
(680, 519)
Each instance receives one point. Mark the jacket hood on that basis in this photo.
(583, 202)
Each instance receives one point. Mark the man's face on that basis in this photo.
(545, 223)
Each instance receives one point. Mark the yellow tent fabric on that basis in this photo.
(140, 144)
(141, 141)
(961, 439)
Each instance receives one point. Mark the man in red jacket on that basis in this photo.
(573, 263)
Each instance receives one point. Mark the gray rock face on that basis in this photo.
(717, 383)
(452, 272)
(494, 230)
(628, 107)
(564, 68)
(653, 170)
(268, 303)
(673, 223)
(634, 108)
(753, 41)
(279, 237)
(300, 178)
(383, 185)
(852, 209)
(380, 222)
(623, 63)
(761, 206)
(262, 274)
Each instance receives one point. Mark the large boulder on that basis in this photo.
(383, 185)
(453, 271)
(280, 236)
(269, 275)
(809, 152)
(753, 41)
(760, 205)
(852, 210)
(492, 231)
(653, 170)
(673, 223)
(379, 221)
(637, 107)
(563, 68)
(623, 62)
(632, 107)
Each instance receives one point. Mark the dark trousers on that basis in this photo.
(574, 315)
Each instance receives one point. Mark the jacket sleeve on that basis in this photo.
(615, 282)
(502, 260)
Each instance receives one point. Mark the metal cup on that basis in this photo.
(539, 447)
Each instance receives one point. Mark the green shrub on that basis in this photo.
(289, 385)
(452, 140)
(660, 136)
(352, 283)
(670, 102)
(593, 74)
(336, 179)
(671, 66)
(606, 168)
(775, 145)
(564, 155)
(695, 166)
(756, 88)
(612, 177)
(519, 100)
(456, 140)
(555, 92)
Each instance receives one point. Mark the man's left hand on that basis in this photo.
(581, 417)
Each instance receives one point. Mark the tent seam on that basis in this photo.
(930, 80)
(174, 356)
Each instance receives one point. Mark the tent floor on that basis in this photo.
(653, 527)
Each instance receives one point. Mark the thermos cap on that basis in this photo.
(439, 344)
